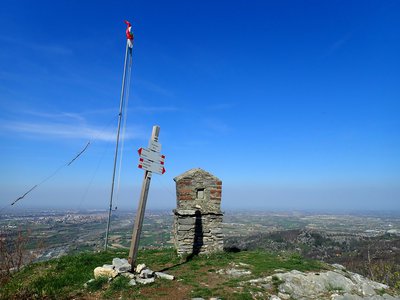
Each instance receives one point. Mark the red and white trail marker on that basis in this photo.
(151, 159)
(151, 166)
(151, 155)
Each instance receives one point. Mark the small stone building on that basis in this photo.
(198, 218)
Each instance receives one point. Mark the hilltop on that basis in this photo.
(252, 274)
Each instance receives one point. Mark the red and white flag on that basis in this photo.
(129, 34)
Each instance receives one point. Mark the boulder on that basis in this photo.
(338, 284)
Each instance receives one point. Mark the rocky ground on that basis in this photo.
(377, 258)
(337, 284)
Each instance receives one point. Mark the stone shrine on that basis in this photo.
(198, 217)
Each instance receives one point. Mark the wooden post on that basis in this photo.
(137, 228)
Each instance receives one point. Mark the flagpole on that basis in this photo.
(121, 103)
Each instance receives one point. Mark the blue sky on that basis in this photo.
(293, 104)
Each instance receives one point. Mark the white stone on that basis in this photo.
(140, 267)
(237, 272)
(121, 265)
(119, 262)
(123, 268)
(145, 280)
(164, 276)
(185, 212)
(103, 272)
(132, 282)
(85, 285)
(146, 273)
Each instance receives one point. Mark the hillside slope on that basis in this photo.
(241, 275)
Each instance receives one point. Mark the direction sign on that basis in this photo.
(151, 155)
(151, 166)
(155, 146)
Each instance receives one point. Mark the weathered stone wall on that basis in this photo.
(198, 218)
(196, 233)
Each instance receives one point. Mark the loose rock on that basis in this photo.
(140, 267)
(234, 272)
(86, 283)
(121, 265)
(146, 273)
(164, 276)
(104, 272)
(132, 282)
(145, 280)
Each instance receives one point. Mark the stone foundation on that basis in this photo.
(196, 233)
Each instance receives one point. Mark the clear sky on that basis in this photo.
(293, 104)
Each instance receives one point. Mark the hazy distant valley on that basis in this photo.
(365, 243)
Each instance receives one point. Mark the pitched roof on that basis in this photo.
(194, 172)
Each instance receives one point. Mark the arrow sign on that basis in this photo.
(151, 155)
(151, 166)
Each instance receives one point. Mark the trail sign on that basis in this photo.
(151, 166)
(151, 161)
(150, 158)
(151, 155)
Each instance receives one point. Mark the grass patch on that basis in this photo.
(381, 292)
(263, 262)
(201, 292)
(118, 285)
(97, 284)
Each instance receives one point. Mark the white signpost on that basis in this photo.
(152, 162)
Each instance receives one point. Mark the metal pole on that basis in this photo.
(137, 228)
(121, 102)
